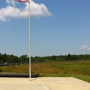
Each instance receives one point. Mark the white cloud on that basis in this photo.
(11, 2)
(88, 48)
(84, 47)
(36, 10)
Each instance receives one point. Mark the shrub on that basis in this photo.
(1, 70)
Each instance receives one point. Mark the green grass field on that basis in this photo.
(78, 69)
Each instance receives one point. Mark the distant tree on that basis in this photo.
(69, 57)
(4, 57)
(54, 57)
(0, 56)
(9, 59)
(24, 58)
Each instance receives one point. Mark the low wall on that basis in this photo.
(18, 75)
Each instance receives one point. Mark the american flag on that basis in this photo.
(21, 0)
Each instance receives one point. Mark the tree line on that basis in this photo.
(12, 59)
(58, 58)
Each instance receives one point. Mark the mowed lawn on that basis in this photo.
(78, 69)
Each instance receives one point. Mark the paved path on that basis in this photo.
(43, 83)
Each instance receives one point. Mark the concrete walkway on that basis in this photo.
(43, 83)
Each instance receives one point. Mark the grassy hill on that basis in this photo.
(78, 69)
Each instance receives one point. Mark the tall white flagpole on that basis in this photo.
(29, 46)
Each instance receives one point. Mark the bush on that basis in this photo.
(1, 70)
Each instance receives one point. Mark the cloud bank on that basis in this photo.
(11, 10)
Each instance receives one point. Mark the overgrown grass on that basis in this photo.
(15, 69)
(78, 69)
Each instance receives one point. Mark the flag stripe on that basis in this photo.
(21, 0)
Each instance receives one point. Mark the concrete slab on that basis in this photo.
(43, 83)
(66, 83)
(22, 84)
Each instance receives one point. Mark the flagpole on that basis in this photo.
(29, 41)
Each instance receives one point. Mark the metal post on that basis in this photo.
(29, 47)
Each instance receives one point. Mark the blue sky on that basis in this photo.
(58, 27)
